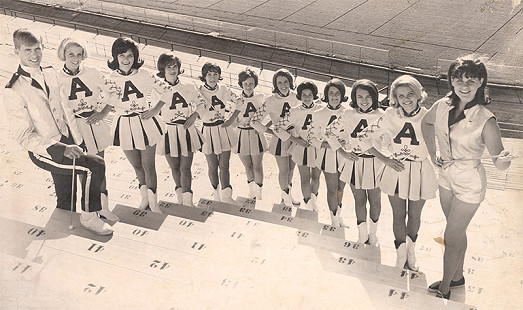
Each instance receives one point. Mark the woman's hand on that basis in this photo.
(348, 155)
(299, 141)
(394, 164)
(150, 113)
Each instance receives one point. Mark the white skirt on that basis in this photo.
(303, 156)
(179, 141)
(250, 142)
(218, 139)
(417, 181)
(361, 173)
(277, 147)
(328, 160)
(97, 137)
(131, 132)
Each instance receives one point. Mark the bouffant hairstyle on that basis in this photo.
(307, 85)
(468, 66)
(285, 73)
(208, 67)
(369, 86)
(245, 74)
(165, 60)
(334, 83)
(120, 46)
(69, 42)
(412, 83)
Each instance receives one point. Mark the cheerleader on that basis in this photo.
(302, 152)
(463, 128)
(328, 159)
(219, 136)
(136, 128)
(251, 144)
(407, 177)
(278, 107)
(84, 86)
(181, 139)
(361, 172)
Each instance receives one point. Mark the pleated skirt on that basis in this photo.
(250, 142)
(361, 173)
(277, 147)
(131, 132)
(328, 160)
(218, 139)
(178, 141)
(97, 137)
(302, 155)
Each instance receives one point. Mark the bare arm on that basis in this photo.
(492, 137)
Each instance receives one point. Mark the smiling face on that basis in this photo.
(334, 95)
(212, 78)
(125, 61)
(283, 85)
(248, 86)
(307, 97)
(171, 72)
(363, 99)
(30, 55)
(74, 55)
(466, 88)
(407, 98)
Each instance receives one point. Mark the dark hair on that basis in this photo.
(472, 67)
(165, 60)
(334, 83)
(210, 66)
(285, 73)
(245, 74)
(120, 46)
(27, 37)
(369, 86)
(307, 85)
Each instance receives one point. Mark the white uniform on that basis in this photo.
(278, 108)
(86, 93)
(362, 172)
(462, 139)
(250, 141)
(418, 179)
(214, 109)
(180, 102)
(133, 97)
(300, 125)
(328, 160)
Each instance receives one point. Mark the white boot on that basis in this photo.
(187, 199)
(373, 227)
(259, 189)
(179, 196)
(335, 219)
(411, 255)
(294, 201)
(91, 221)
(286, 199)
(216, 194)
(105, 209)
(252, 190)
(145, 199)
(153, 202)
(314, 202)
(401, 257)
(340, 219)
(363, 235)
(227, 196)
(308, 205)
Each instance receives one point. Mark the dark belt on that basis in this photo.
(365, 155)
(177, 122)
(131, 115)
(246, 128)
(84, 114)
(216, 123)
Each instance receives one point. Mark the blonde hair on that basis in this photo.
(412, 83)
(68, 42)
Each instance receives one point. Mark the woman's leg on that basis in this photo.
(223, 163)
(414, 218)
(174, 164)
(305, 182)
(249, 166)
(360, 206)
(212, 165)
(185, 172)
(257, 164)
(148, 159)
(374, 196)
(399, 214)
(135, 158)
(331, 180)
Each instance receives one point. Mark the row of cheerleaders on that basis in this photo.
(357, 143)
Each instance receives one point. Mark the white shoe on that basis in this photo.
(401, 257)
(363, 235)
(340, 218)
(179, 196)
(153, 202)
(308, 205)
(216, 195)
(105, 209)
(145, 200)
(373, 238)
(91, 221)
(314, 202)
(227, 196)
(187, 199)
(286, 199)
(412, 263)
(294, 201)
(335, 219)
(252, 190)
(259, 189)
